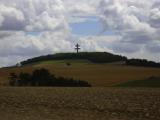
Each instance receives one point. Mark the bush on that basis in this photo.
(13, 79)
(68, 64)
(42, 77)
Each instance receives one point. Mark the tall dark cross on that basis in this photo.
(77, 47)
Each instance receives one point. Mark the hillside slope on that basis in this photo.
(96, 74)
(95, 57)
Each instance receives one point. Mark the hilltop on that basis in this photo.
(94, 57)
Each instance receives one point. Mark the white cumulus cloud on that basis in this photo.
(137, 21)
(32, 15)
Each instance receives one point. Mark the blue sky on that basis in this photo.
(92, 26)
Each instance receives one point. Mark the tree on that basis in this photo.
(13, 79)
(42, 77)
(24, 79)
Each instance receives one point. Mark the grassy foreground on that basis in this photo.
(96, 74)
(79, 104)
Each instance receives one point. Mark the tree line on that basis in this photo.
(42, 77)
(142, 62)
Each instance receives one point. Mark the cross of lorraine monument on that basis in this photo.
(77, 47)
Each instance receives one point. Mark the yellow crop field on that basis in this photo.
(96, 74)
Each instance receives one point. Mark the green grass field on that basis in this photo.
(150, 82)
(78, 61)
(96, 74)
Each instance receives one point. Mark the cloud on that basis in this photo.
(120, 47)
(20, 20)
(153, 47)
(81, 10)
(82, 7)
(21, 44)
(155, 17)
(137, 22)
(26, 46)
(32, 15)
(9, 16)
(125, 15)
(97, 43)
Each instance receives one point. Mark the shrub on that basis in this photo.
(68, 64)
(43, 77)
(24, 79)
(13, 79)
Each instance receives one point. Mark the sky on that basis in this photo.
(30, 28)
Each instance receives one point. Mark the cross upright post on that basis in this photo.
(77, 47)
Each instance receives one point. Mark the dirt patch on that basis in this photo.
(79, 104)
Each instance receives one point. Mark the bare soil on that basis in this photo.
(79, 104)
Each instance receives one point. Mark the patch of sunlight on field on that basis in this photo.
(79, 61)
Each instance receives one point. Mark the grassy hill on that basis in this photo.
(99, 69)
(95, 57)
